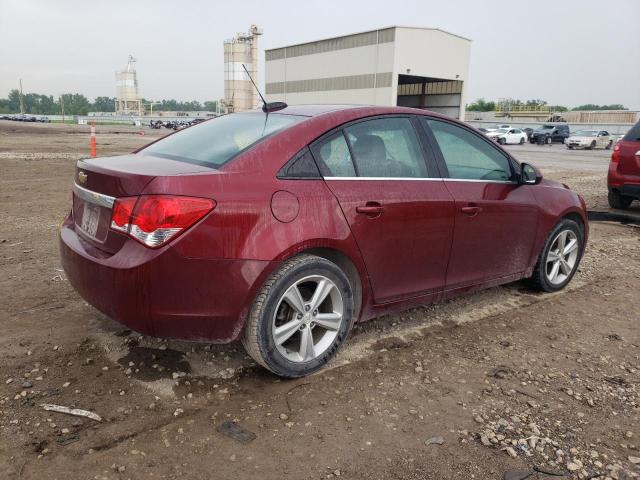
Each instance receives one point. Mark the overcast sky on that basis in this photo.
(567, 52)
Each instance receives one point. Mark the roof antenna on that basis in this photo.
(266, 107)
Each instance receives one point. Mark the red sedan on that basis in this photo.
(282, 230)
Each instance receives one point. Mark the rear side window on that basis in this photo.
(386, 147)
(633, 135)
(215, 142)
(301, 165)
(333, 156)
(466, 155)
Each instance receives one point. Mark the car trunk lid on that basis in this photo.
(99, 182)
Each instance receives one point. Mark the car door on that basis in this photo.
(496, 218)
(603, 138)
(400, 213)
(514, 136)
(517, 135)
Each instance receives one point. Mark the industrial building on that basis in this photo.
(239, 93)
(127, 100)
(408, 66)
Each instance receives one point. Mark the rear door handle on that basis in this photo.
(372, 209)
(471, 211)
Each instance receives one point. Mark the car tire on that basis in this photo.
(562, 140)
(543, 277)
(619, 201)
(547, 140)
(502, 141)
(593, 145)
(306, 346)
(609, 145)
(569, 147)
(521, 141)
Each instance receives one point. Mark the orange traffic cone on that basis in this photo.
(92, 144)
(92, 140)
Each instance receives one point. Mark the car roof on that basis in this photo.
(314, 110)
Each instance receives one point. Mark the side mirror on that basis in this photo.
(529, 175)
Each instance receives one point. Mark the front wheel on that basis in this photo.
(502, 141)
(593, 145)
(301, 317)
(560, 257)
(609, 145)
(547, 140)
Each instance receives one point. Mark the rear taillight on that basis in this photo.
(615, 156)
(121, 214)
(153, 220)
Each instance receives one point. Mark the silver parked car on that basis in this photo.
(589, 139)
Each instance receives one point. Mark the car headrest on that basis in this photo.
(370, 147)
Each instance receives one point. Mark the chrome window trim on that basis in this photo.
(431, 179)
(93, 197)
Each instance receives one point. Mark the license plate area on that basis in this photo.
(91, 219)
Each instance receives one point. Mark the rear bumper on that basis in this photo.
(628, 185)
(630, 190)
(161, 293)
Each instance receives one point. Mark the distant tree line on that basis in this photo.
(78, 104)
(481, 105)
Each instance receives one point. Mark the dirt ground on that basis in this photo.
(467, 389)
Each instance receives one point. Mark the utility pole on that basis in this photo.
(62, 106)
(21, 102)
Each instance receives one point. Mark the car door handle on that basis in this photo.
(371, 208)
(471, 211)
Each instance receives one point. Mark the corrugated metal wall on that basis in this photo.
(332, 44)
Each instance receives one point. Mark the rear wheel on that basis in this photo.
(502, 141)
(521, 140)
(609, 145)
(547, 140)
(560, 257)
(593, 145)
(617, 200)
(300, 318)
(569, 147)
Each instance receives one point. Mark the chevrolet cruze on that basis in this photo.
(283, 228)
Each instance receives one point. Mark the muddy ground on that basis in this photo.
(502, 379)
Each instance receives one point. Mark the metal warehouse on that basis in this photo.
(408, 66)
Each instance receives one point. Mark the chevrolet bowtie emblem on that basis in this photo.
(82, 177)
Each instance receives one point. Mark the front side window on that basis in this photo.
(216, 141)
(466, 155)
(387, 148)
(333, 156)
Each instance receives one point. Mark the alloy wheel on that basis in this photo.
(562, 257)
(307, 318)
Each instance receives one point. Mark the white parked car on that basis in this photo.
(508, 136)
(589, 139)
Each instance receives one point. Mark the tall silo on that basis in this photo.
(127, 100)
(239, 93)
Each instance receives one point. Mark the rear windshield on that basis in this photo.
(633, 135)
(216, 141)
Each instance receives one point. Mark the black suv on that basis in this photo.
(550, 133)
